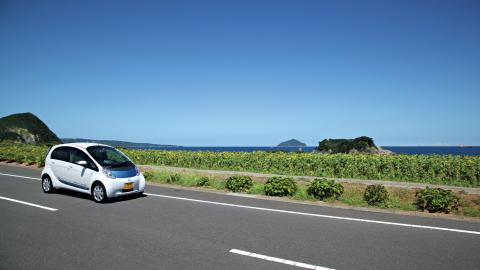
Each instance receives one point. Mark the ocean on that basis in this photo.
(408, 150)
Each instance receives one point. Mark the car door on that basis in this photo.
(59, 163)
(79, 176)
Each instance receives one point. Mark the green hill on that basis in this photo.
(358, 145)
(26, 128)
(115, 143)
(292, 143)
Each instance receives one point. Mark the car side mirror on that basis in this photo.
(82, 163)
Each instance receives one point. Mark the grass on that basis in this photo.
(257, 188)
(351, 196)
(471, 212)
(186, 179)
(399, 198)
(302, 195)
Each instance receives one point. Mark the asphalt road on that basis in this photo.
(173, 228)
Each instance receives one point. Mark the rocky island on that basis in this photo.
(360, 145)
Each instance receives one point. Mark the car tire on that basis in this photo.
(99, 193)
(47, 184)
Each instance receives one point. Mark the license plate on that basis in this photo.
(128, 186)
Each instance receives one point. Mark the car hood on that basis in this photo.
(124, 172)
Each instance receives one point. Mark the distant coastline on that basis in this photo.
(116, 143)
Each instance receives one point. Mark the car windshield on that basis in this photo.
(108, 156)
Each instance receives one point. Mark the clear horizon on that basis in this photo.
(245, 73)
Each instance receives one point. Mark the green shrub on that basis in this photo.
(239, 183)
(148, 176)
(173, 178)
(40, 160)
(375, 194)
(19, 158)
(202, 181)
(437, 200)
(280, 186)
(9, 156)
(30, 159)
(323, 188)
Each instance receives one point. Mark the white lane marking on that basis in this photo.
(20, 176)
(278, 260)
(317, 215)
(27, 203)
(242, 195)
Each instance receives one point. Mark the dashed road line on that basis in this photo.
(318, 215)
(27, 203)
(278, 260)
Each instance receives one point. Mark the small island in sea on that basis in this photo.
(292, 143)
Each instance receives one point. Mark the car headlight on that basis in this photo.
(108, 173)
(137, 170)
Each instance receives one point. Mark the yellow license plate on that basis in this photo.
(128, 186)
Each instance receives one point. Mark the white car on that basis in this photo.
(96, 169)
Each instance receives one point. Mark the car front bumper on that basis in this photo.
(115, 187)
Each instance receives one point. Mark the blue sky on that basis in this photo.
(245, 73)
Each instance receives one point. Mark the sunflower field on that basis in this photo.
(430, 169)
(23, 153)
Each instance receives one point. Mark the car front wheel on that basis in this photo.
(47, 184)
(99, 193)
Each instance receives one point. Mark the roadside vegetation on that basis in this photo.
(431, 200)
(358, 195)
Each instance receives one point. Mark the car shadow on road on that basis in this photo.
(84, 196)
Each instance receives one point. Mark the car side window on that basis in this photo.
(61, 153)
(77, 155)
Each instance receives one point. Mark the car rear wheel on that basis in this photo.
(47, 184)
(99, 193)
